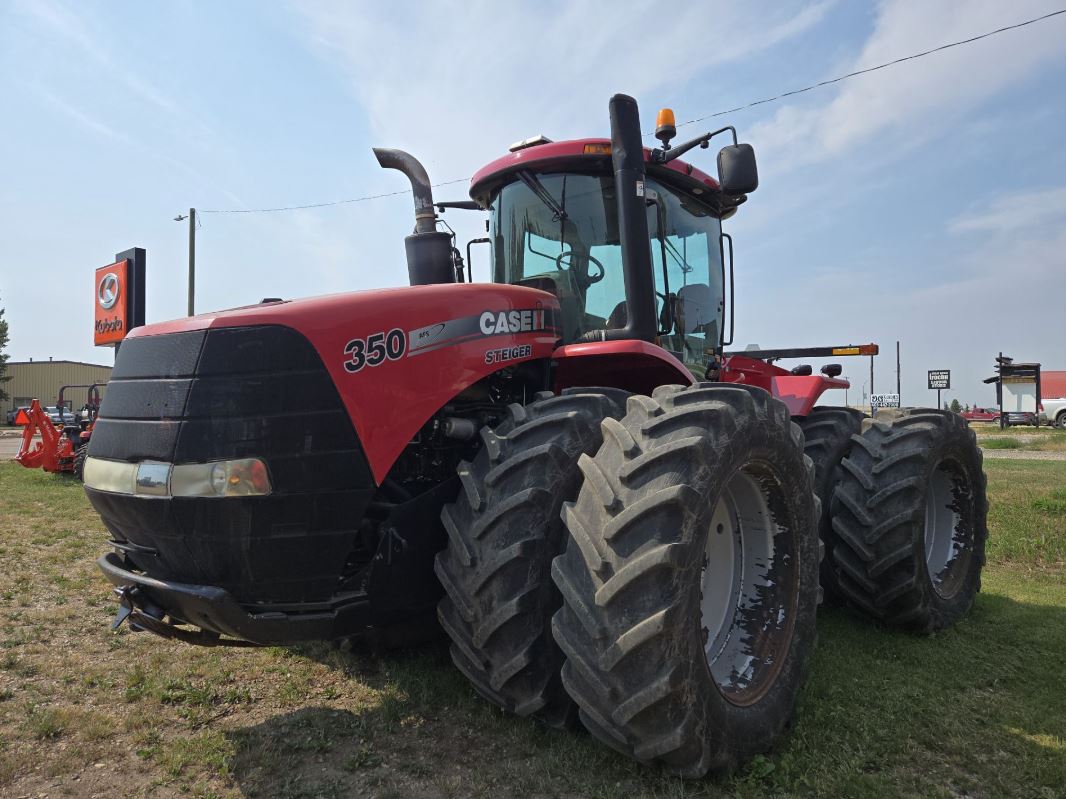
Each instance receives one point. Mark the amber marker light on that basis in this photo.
(665, 129)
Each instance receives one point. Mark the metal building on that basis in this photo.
(43, 379)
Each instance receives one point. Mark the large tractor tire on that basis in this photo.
(909, 518)
(827, 433)
(690, 580)
(504, 529)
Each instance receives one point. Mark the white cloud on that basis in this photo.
(79, 116)
(907, 103)
(1014, 212)
(453, 81)
(65, 27)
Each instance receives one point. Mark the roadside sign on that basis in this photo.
(939, 379)
(118, 298)
(884, 400)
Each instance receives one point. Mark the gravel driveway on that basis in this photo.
(1025, 455)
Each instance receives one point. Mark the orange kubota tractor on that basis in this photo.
(612, 518)
(63, 447)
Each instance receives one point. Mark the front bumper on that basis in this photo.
(219, 614)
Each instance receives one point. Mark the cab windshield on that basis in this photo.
(559, 232)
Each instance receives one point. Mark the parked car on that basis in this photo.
(1054, 412)
(981, 414)
(60, 415)
(1028, 418)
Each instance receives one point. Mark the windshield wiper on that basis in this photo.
(681, 262)
(538, 189)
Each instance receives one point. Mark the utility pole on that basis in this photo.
(873, 410)
(192, 261)
(192, 257)
(898, 392)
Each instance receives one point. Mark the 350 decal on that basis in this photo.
(375, 349)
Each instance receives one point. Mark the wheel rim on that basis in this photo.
(946, 531)
(748, 585)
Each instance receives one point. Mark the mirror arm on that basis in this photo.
(465, 205)
(665, 156)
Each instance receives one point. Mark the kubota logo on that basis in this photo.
(108, 290)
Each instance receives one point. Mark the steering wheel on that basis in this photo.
(588, 280)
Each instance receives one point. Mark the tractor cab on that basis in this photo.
(558, 231)
(628, 239)
(557, 225)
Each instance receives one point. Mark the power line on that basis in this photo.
(871, 69)
(765, 100)
(322, 205)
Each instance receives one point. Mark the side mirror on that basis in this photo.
(737, 172)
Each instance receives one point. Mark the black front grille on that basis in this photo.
(233, 393)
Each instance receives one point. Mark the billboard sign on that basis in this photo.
(118, 298)
(939, 379)
(112, 288)
(884, 400)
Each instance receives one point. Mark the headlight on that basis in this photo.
(240, 478)
(245, 477)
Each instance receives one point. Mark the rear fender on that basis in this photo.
(799, 392)
(629, 364)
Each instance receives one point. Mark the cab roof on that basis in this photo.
(570, 154)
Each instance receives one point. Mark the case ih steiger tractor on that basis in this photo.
(612, 520)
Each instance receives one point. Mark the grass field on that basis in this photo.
(977, 711)
(1042, 439)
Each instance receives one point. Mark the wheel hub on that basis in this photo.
(945, 550)
(748, 582)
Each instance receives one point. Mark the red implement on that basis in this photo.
(53, 453)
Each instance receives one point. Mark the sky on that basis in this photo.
(924, 203)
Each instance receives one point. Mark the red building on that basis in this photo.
(1052, 385)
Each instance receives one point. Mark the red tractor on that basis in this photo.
(612, 520)
(62, 448)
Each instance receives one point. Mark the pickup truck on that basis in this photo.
(981, 415)
(1053, 411)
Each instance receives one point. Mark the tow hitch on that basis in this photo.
(143, 614)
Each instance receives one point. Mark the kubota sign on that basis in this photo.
(111, 321)
(119, 298)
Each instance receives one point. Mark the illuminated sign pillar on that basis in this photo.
(119, 298)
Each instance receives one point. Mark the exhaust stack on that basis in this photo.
(429, 251)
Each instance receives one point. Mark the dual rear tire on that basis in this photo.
(904, 513)
(678, 620)
(909, 520)
(650, 565)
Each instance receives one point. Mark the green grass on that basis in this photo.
(979, 710)
(1042, 439)
(1004, 442)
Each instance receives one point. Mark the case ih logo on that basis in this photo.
(108, 290)
(522, 321)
